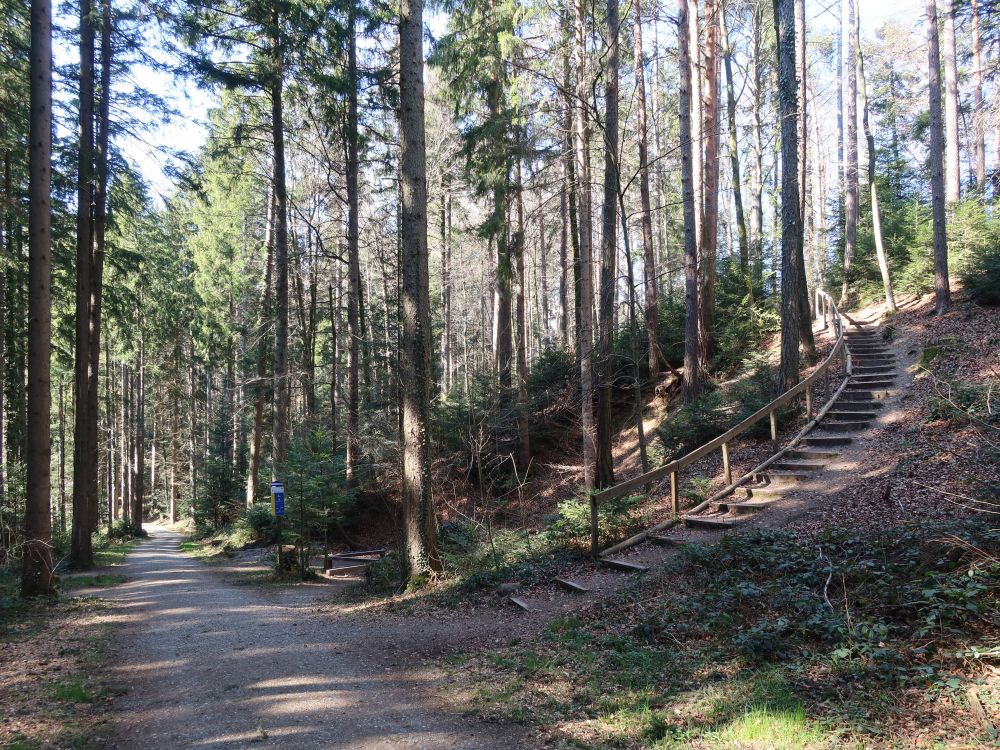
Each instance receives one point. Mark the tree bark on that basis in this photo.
(952, 168)
(649, 262)
(36, 566)
(851, 157)
(710, 220)
(260, 386)
(419, 523)
(521, 330)
(604, 475)
(139, 483)
(978, 114)
(883, 262)
(942, 289)
(802, 66)
(692, 366)
(734, 153)
(83, 465)
(354, 333)
(791, 233)
(586, 284)
(280, 368)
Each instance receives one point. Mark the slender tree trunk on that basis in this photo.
(354, 333)
(571, 223)
(62, 463)
(802, 66)
(280, 368)
(521, 331)
(648, 250)
(851, 153)
(6, 229)
(419, 523)
(446, 352)
(942, 288)
(692, 366)
(83, 465)
(978, 114)
(757, 146)
(605, 473)
(952, 168)
(586, 283)
(543, 292)
(791, 234)
(710, 220)
(883, 263)
(260, 386)
(733, 147)
(36, 570)
(139, 486)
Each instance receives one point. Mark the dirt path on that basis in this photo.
(208, 664)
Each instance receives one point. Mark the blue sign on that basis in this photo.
(278, 498)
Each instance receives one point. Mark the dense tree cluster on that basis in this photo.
(384, 237)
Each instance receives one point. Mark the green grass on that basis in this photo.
(73, 692)
(108, 553)
(99, 580)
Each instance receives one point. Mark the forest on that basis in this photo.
(446, 276)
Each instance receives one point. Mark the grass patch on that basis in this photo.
(73, 692)
(766, 641)
(100, 580)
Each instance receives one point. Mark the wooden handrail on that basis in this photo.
(824, 307)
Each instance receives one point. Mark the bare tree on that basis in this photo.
(851, 156)
(36, 570)
(941, 287)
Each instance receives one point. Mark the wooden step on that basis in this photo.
(628, 567)
(745, 506)
(665, 541)
(798, 465)
(850, 415)
(835, 426)
(345, 570)
(576, 588)
(873, 377)
(867, 391)
(825, 441)
(786, 476)
(808, 454)
(873, 360)
(521, 603)
(708, 522)
(760, 493)
(850, 400)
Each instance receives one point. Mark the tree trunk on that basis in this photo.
(952, 157)
(260, 386)
(521, 330)
(941, 286)
(851, 156)
(36, 566)
(139, 487)
(280, 368)
(883, 263)
(791, 234)
(734, 153)
(757, 146)
(83, 460)
(354, 332)
(446, 351)
(692, 360)
(802, 65)
(978, 113)
(649, 262)
(586, 284)
(419, 523)
(605, 472)
(710, 220)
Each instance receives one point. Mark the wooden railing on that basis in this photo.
(825, 309)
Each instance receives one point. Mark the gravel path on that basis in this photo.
(208, 664)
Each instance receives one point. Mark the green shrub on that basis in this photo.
(571, 527)
(982, 277)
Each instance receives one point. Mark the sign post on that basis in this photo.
(278, 509)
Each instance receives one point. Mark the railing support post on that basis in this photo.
(725, 464)
(774, 428)
(809, 403)
(675, 504)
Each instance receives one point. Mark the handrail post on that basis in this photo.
(774, 428)
(675, 504)
(726, 470)
(594, 544)
(809, 403)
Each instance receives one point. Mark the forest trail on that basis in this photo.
(208, 664)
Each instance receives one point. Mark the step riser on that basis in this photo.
(779, 480)
(866, 393)
(813, 454)
(798, 466)
(744, 509)
(704, 523)
(844, 426)
(828, 440)
(760, 494)
(854, 416)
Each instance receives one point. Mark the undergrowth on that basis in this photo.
(754, 640)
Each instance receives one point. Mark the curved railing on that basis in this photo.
(826, 309)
